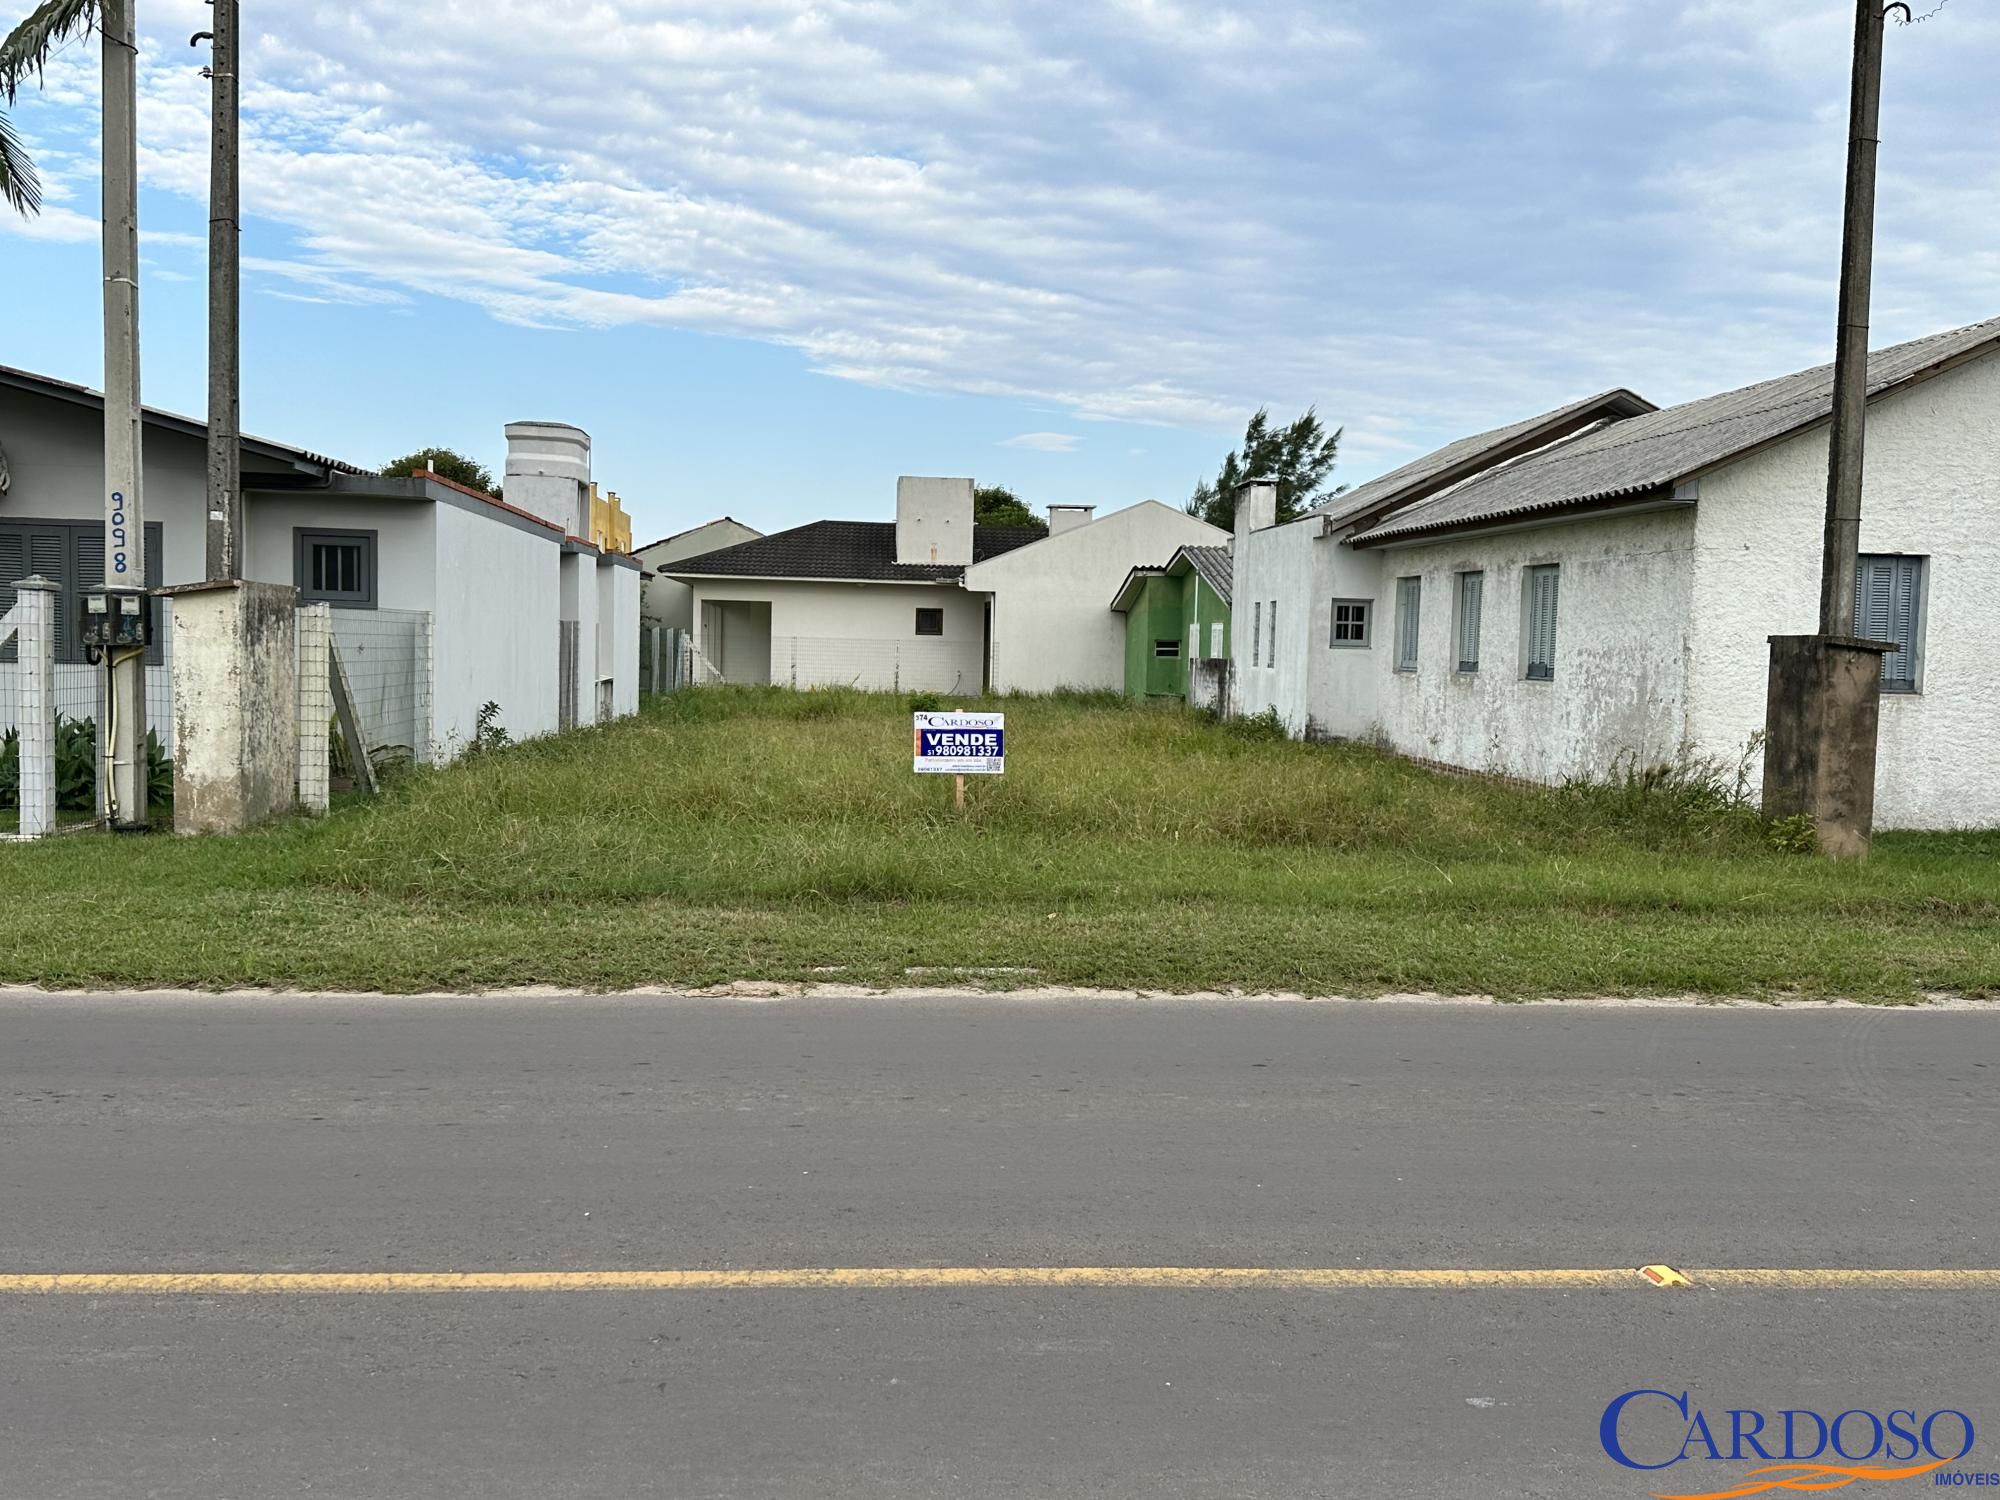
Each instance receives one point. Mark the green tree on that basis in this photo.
(995, 505)
(450, 464)
(1300, 458)
(23, 55)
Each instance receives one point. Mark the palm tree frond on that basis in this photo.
(26, 51)
(20, 185)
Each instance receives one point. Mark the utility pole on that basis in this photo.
(1824, 691)
(121, 734)
(1842, 547)
(225, 419)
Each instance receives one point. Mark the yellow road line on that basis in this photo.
(164, 1283)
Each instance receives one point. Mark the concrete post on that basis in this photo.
(315, 633)
(1819, 751)
(35, 652)
(235, 704)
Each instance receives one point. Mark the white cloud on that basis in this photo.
(1149, 210)
(1043, 442)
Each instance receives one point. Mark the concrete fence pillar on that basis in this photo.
(236, 697)
(1824, 696)
(34, 617)
(315, 631)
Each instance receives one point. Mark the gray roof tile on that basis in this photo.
(1649, 453)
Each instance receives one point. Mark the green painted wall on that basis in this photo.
(1155, 615)
(1169, 609)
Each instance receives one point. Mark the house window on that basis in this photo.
(1471, 601)
(1350, 623)
(1409, 611)
(334, 567)
(1194, 642)
(1271, 648)
(1215, 641)
(930, 622)
(1167, 649)
(1888, 606)
(1539, 621)
(1256, 631)
(70, 553)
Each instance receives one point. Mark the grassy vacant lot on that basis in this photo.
(732, 834)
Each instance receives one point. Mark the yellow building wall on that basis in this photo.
(610, 527)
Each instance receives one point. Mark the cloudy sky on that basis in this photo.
(772, 253)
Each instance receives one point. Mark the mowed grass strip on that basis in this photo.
(759, 834)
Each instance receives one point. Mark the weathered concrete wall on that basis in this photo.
(933, 521)
(494, 628)
(668, 601)
(863, 635)
(1622, 649)
(1931, 487)
(235, 706)
(1053, 626)
(1274, 563)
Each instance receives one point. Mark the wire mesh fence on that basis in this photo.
(386, 654)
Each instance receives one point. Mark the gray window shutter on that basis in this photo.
(1885, 609)
(1542, 588)
(1409, 606)
(13, 568)
(1471, 597)
(1271, 650)
(49, 553)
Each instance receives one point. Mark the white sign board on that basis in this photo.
(961, 744)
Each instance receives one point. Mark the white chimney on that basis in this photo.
(1068, 517)
(934, 521)
(548, 473)
(1256, 505)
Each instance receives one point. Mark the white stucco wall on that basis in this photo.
(618, 634)
(494, 631)
(405, 541)
(579, 603)
(862, 634)
(1274, 563)
(1931, 487)
(668, 601)
(1053, 626)
(1622, 649)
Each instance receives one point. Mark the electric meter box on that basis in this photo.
(116, 620)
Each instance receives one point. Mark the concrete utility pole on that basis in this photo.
(1842, 547)
(121, 733)
(225, 419)
(1824, 693)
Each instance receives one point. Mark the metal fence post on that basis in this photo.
(315, 635)
(35, 654)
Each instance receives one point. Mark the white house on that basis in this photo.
(1050, 627)
(668, 601)
(444, 599)
(930, 601)
(1599, 583)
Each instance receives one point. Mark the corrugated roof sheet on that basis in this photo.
(1649, 453)
(1468, 453)
(862, 551)
(1213, 565)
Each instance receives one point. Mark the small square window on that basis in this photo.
(930, 622)
(335, 567)
(1350, 623)
(1167, 649)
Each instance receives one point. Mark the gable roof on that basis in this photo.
(1650, 454)
(1457, 461)
(847, 551)
(83, 395)
(1212, 563)
(691, 530)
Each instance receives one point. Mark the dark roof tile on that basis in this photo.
(857, 551)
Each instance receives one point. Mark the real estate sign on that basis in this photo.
(961, 744)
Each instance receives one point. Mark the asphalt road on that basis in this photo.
(524, 1135)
